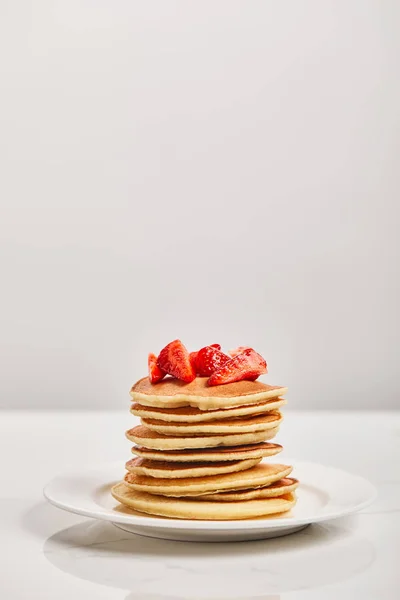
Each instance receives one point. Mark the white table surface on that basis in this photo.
(48, 553)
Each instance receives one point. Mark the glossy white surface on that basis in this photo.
(325, 493)
(48, 553)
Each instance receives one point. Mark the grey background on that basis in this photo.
(219, 171)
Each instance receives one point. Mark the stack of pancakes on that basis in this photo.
(199, 451)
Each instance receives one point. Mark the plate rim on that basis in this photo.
(154, 522)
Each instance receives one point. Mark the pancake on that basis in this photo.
(237, 425)
(174, 470)
(172, 393)
(197, 509)
(142, 436)
(220, 453)
(275, 490)
(258, 476)
(190, 414)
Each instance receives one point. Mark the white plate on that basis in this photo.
(324, 493)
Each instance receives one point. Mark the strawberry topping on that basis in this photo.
(193, 358)
(241, 363)
(246, 365)
(155, 373)
(210, 359)
(174, 359)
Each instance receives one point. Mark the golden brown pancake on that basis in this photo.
(142, 436)
(250, 424)
(274, 490)
(259, 476)
(180, 508)
(190, 414)
(172, 393)
(175, 470)
(220, 453)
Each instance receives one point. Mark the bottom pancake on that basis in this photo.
(155, 468)
(179, 508)
(217, 454)
(275, 490)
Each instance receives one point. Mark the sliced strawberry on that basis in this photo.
(174, 359)
(246, 365)
(193, 358)
(155, 373)
(238, 350)
(210, 359)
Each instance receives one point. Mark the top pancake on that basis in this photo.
(172, 393)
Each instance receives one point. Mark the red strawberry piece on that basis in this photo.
(201, 367)
(246, 365)
(210, 359)
(174, 359)
(193, 358)
(155, 373)
(238, 350)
